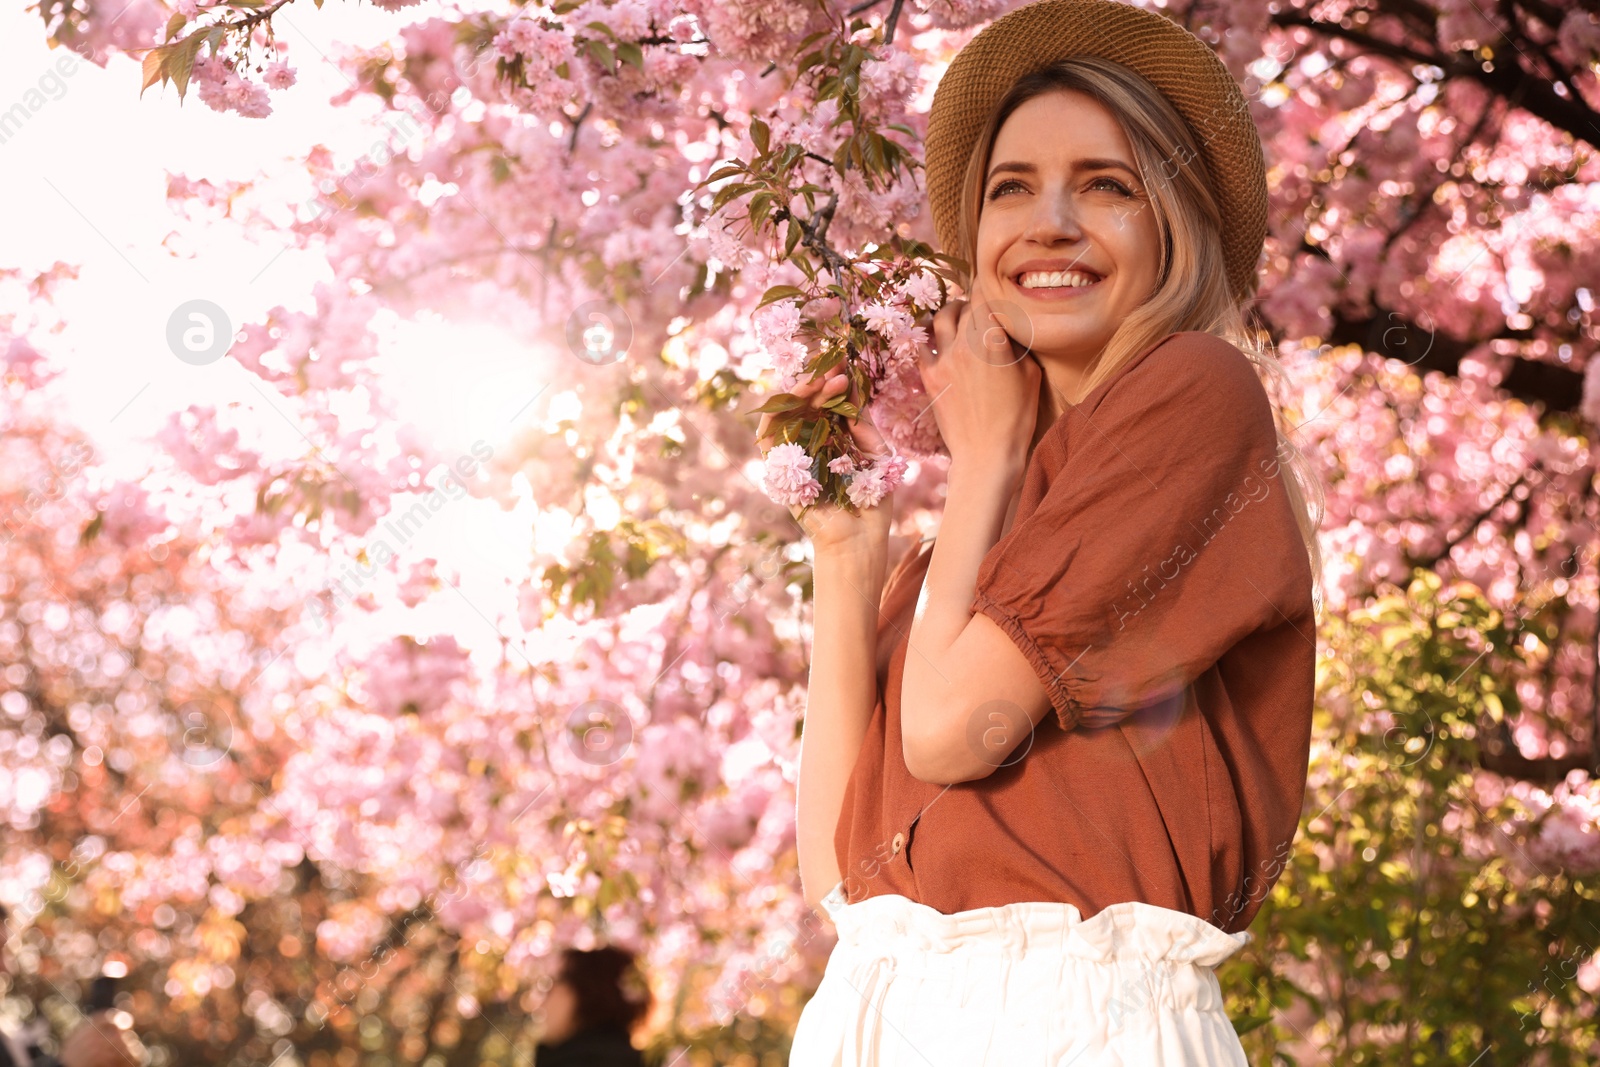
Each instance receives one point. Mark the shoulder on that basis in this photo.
(1205, 360)
(1199, 375)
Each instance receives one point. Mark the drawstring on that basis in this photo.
(876, 975)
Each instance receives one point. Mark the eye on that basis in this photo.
(996, 190)
(1123, 189)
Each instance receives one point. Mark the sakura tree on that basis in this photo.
(690, 206)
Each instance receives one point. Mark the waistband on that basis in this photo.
(894, 924)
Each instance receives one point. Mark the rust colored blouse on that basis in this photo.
(1155, 578)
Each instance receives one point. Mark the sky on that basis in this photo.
(83, 180)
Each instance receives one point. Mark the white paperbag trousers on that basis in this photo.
(1023, 985)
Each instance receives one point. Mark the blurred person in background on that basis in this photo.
(95, 1042)
(599, 996)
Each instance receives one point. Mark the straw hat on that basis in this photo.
(1178, 63)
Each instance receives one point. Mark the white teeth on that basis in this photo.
(1068, 279)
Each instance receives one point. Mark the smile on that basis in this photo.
(1054, 285)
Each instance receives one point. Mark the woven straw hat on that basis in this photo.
(1178, 63)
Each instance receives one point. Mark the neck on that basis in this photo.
(1058, 389)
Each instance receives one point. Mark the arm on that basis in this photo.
(960, 665)
(842, 693)
(850, 557)
(1146, 558)
(968, 695)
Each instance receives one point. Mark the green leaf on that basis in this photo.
(154, 62)
(603, 55)
(779, 292)
(759, 134)
(792, 238)
(843, 407)
(174, 24)
(779, 403)
(728, 192)
(181, 63)
(631, 54)
(819, 434)
(730, 169)
(760, 204)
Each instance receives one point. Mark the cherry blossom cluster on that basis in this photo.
(898, 407)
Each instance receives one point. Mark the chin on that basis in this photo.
(1053, 337)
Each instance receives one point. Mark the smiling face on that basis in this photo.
(1063, 194)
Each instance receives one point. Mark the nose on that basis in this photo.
(1053, 218)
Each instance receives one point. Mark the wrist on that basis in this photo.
(1001, 470)
(861, 562)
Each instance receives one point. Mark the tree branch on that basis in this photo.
(1510, 80)
(1385, 332)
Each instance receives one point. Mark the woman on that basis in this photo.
(1125, 550)
(597, 999)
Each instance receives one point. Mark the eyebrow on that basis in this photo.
(1082, 164)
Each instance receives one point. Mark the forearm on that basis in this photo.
(840, 698)
(976, 501)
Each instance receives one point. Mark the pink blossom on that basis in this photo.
(278, 75)
(886, 320)
(908, 343)
(921, 290)
(422, 580)
(777, 322)
(902, 409)
(868, 487)
(788, 478)
(788, 358)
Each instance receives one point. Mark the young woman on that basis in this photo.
(1125, 552)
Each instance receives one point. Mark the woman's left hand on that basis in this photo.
(984, 387)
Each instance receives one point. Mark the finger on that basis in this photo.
(945, 322)
(868, 437)
(993, 331)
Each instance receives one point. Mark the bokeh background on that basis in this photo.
(388, 599)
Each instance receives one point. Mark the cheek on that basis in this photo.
(990, 243)
(1147, 242)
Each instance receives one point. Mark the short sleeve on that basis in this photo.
(1154, 533)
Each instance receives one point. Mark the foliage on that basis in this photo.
(404, 824)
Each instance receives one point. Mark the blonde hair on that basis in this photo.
(1192, 290)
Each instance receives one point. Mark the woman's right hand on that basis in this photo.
(830, 527)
